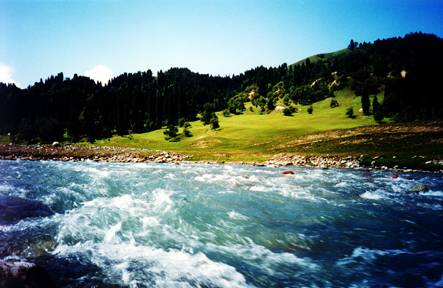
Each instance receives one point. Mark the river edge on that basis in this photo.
(134, 155)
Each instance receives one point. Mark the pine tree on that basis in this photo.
(376, 110)
(214, 122)
(352, 45)
(186, 130)
(365, 104)
(170, 132)
(207, 113)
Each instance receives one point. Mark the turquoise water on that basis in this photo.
(192, 225)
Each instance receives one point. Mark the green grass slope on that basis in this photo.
(322, 56)
(252, 136)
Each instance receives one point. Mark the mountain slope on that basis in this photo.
(251, 134)
(322, 56)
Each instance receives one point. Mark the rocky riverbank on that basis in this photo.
(81, 153)
(315, 161)
(133, 155)
(411, 164)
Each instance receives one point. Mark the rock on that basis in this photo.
(19, 243)
(13, 209)
(288, 172)
(420, 188)
(16, 272)
(55, 144)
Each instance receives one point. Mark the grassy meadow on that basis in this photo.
(252, 136)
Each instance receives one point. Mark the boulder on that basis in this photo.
(420, 188)
(279, 108)
(16, 272)
(14, 209)
(21, 244)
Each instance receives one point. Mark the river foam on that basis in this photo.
(164, 268)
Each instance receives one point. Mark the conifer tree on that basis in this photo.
(365, 104)
(376, 110)
(214, 122)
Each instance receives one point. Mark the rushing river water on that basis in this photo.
(191, 225)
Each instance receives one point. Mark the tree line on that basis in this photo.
(407, 69)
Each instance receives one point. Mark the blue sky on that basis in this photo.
(108, 37)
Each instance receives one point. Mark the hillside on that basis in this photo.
(251, 132)
(322, 57)
(252, 136)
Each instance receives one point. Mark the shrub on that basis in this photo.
(236, 105)
(226, 113)
(286, 100)
(334, 103)
(186, 130)
(289, 110)
(259, 102)
(171, 133)
(181, 122)
(214, 122)
(270, 103)
(310, 109)
(207, 113)
(350, 113)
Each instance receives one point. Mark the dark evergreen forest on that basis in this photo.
(408, 69)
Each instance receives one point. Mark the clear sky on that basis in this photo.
(108, 37)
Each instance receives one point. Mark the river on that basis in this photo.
(199, 225)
